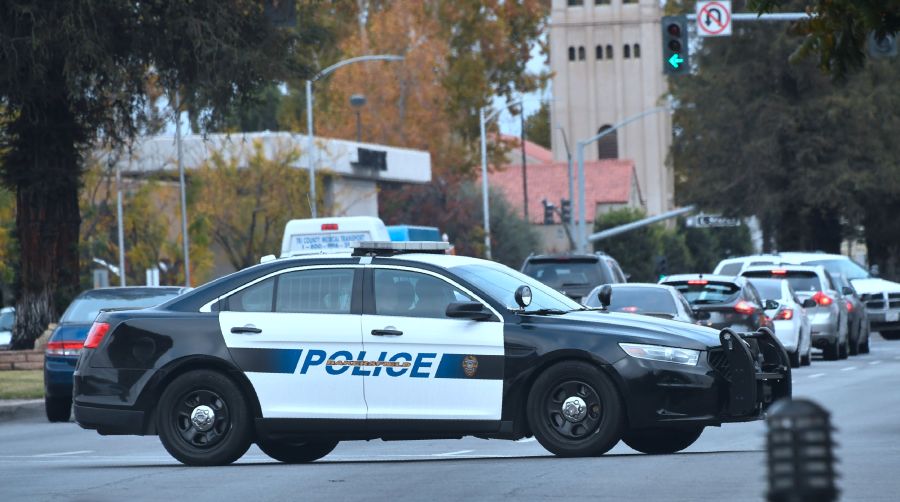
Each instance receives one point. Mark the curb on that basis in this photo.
(12, 409)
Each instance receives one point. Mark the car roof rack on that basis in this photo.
(389, 248)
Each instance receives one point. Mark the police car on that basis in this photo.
(401, 341)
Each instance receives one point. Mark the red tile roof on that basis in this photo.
(607, 181)
(534, 151)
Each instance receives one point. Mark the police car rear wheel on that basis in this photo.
(662, 441)
(575, 411)
(203, 419)
(296, 452)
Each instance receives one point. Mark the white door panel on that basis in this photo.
(287, 362)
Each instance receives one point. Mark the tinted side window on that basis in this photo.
(323, 291)
(404, 293)
(256, 298)
(731, 268)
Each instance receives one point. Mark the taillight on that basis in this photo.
(95, 336)
(784, 315)
(63, 348)
(698, 282)
(779, 271)
(822, 299)
(849, 306)
(744, 307)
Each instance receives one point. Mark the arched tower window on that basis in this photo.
(626, 51)
(637, 50)
(571, 54)
(609, 53)
(598, 52)
(608, 146)
(581, 53)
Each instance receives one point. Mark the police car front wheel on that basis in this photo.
(574, 410)
(296, 452)
(203, 419)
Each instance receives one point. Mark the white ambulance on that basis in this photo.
(316, 235)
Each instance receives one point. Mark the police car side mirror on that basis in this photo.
(523, 296)
(809, 303)
(468, 310)
(771, 305)
(605, 295)
(848, 291)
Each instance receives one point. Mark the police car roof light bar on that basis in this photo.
(388, 248)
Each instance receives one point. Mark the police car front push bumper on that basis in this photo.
(756, 372)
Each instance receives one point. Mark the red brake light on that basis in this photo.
(744, 307)
(698, 282)
(63, 348)
(329, 226)
(822, 299)
(779, 271)
(849, 306)
(784, 314)
(95, 336)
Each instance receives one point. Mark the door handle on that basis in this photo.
(387, 332)
(249, 329)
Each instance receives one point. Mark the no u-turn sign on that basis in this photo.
(714, 18)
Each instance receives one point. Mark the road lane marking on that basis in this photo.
(63, 453)
(452, 453)
(817, 375)
(527, 440)
(848, 368)
(873, 363)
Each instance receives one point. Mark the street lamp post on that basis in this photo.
(309, 114)
(582, 229)
(184, 225)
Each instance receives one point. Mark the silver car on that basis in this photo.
(828, 318)
(790, 320)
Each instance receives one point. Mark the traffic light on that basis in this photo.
(565, 211)
(662, 266)
(548, 212)
(675, 45)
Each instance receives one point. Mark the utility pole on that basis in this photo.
(184, 225)
(524, 171)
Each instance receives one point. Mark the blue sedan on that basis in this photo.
(67, 339)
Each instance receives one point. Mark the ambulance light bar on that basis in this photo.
(388, 248)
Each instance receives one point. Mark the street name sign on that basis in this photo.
(714, 18)
(712, 220)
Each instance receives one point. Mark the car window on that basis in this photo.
(638, 300)
(315, 291)
(500, 283)
(830, 282)
(84, 309)
(844, 266)
(413, 294)
(731, 268)
(7, 319)
(769, 289)
(753, 294)
(567, 273)
(255, 298)
(617, 273)
(801, 281)
(685, 304)
(702, 292)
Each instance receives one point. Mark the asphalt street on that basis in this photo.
(43, 461)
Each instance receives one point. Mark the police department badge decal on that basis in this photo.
(470, 365)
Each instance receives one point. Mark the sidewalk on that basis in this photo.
(12, 409)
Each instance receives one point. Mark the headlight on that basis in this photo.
(660, 353)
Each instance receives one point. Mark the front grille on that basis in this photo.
(875, 301)
(875, 305)
(719, 361)
(894, 296)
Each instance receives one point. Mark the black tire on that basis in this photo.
(856, 342)
(296, 452)
(890, 335)
(831, 351)
(603, 419)
(806, 360)
(844, 349)
(662, 441)
(864, 347)
(58, 409)
(794, 357)
(228, 436)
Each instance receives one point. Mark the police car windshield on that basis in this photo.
(501, 284)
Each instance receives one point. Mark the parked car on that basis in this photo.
(722, 301)
(642, 298)
(7, 320)
(67, 339)
(828, 319)
(790, 320)
(857, 323)
(574, 275)
(734, 266)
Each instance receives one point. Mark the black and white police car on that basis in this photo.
(401, 341)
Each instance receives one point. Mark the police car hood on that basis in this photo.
(875, 285)
(646, 329)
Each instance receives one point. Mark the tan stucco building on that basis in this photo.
(606, 57)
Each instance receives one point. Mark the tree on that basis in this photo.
(838, 29)
(247, 196)
(537, 126)
(73, 73)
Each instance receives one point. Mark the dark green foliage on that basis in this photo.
(537, 126)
